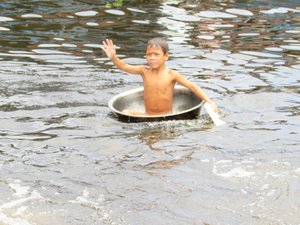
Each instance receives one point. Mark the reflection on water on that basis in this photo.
(65, 159)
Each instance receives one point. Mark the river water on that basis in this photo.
(66, 159)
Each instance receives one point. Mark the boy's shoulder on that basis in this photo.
(174, 72)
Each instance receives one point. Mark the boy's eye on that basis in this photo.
(155, 54)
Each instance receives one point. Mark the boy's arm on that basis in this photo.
(194, 88)
(110, 49)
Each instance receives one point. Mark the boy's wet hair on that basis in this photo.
(159, 42)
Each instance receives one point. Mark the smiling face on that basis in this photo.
(156, 57)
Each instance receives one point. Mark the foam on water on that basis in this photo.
(57, 132)
(236, 172)
(85, 200)
(22, 197)
(18, 189)
(5, 220)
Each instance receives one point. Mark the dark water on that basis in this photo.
(65, 159)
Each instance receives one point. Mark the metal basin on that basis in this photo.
(186, 105)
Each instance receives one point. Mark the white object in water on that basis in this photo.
(213, 115)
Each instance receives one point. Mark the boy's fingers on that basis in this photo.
(104, 43)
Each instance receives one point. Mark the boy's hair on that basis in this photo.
(159, 42)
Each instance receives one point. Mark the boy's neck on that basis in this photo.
(158, 70)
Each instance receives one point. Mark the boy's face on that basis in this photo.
(156, 57)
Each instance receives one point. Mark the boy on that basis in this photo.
(159, 81)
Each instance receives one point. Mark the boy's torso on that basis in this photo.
(158, 91)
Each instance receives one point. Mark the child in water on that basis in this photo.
(159, 80)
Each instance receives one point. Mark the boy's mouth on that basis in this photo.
(152, 62)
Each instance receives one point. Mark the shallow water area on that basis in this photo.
(66, 159)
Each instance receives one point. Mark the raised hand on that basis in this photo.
(109, 48)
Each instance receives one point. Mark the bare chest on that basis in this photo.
(158, 83)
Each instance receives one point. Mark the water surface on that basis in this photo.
(65, 159)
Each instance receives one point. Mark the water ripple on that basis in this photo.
(66, 159)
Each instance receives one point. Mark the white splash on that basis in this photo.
(5, 220)
(84, 200)
(33, 195)
(23, 195)
(233, 170)
(18, 189)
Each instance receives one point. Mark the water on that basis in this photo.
(65, 159)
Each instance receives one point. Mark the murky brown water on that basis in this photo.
(65, 159)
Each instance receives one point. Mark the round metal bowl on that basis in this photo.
(186, 105)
